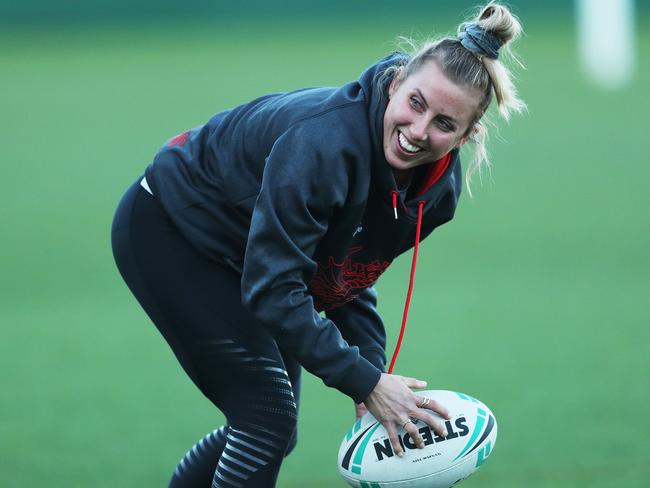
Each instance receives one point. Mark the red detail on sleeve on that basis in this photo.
(180, 139)
(434, 172)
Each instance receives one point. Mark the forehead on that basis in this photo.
(441, 94)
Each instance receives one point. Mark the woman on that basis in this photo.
(244, 229)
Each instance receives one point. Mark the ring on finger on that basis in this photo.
(409, 421)
(425, 402)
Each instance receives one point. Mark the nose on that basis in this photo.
(419, 129)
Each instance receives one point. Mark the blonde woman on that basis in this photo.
(243, 229)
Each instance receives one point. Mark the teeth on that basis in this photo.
(406, 145)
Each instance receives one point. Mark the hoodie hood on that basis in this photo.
(375, 87)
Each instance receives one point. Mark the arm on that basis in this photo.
(302, 185)
(361, 326)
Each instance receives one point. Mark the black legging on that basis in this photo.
(196, 305)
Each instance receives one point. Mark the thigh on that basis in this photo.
(196, 304)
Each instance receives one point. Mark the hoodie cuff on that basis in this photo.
(360, 381)
(376, 356)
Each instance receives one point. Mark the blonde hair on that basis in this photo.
(476, 70)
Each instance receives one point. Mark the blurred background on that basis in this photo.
(535, 299)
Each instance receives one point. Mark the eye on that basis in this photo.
(445, 125)
(415, 103)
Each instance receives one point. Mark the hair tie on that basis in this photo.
(479, 41)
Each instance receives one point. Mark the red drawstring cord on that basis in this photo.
(411, 281)
(394, 195)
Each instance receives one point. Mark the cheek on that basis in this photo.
(442, 139)
(442, 142)
(395, 115)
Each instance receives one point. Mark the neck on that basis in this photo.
(402, 177)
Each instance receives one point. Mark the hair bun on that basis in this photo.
(499, 22)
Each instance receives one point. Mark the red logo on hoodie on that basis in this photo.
(336, 284)
(180, 139)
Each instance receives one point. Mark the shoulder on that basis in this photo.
(343, 121)
(340, 131)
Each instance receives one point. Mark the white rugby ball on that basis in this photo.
(366, 458)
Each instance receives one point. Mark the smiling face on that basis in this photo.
(427, 116)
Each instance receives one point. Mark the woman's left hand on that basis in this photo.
(360, 410)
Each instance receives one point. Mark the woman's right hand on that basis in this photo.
(393, 404)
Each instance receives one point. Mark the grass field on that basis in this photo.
(535, 299)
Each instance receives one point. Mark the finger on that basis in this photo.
(394, 440)
(412, 430)
(436, 425)
(414, 382)
(360, 410)
(437, 407)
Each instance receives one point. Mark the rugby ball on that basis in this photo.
(366, 458)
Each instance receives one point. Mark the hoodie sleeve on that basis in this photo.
(304, 183)
(361, 326)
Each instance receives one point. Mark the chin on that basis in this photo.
(395, 162)
(398, 162)
(402, 165)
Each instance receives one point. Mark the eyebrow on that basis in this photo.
(426, 104)
(424, 100)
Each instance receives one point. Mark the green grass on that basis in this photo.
(535, 299)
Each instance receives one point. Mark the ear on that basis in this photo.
(468, 135)
(397, 80)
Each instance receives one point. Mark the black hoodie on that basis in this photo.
(293, 191)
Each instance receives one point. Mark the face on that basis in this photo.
(427, 116)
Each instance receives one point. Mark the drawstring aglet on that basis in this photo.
(394, 196)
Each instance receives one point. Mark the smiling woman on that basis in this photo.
(439, 95)
(246, 227)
